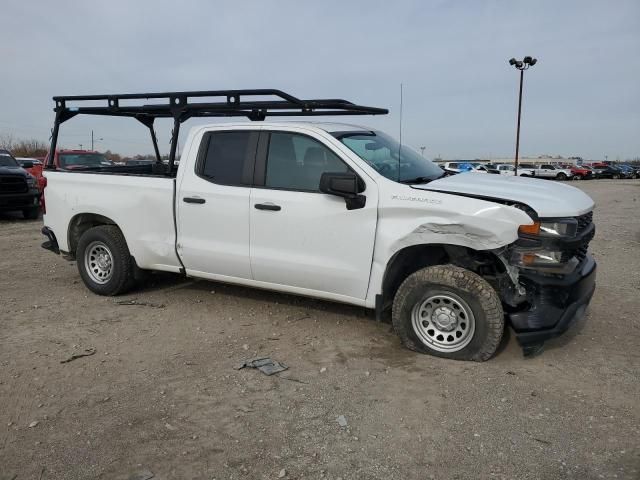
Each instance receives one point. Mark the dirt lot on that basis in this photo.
(161, 394)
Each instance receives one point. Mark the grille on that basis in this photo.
(584, 221)
(13, 184)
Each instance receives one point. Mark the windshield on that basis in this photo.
(84, 160)
(7, 160)
(381, 152)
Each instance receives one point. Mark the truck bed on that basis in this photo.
(138, 201)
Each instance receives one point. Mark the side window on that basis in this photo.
(227, 158)
(296, 162)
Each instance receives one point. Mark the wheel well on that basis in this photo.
(80, 224)
(411, 259)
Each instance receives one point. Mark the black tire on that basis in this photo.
(122, 266)
(472, 289)
(561, 176)
(616, 177)
(31, 213)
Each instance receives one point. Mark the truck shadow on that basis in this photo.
(160, 281)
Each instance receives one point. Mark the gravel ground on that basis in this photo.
(161, 396)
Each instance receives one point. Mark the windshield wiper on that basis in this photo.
(416, 180)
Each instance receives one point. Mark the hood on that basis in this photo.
(547, 197)
(19, 171)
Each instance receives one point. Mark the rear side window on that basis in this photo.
(227, 158)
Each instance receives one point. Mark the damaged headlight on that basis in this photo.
(536, 258)
(565, 227)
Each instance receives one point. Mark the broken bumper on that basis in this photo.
(52, 242)
(556, 304)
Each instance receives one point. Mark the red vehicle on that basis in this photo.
(581, 172)
(34, 167)
(79, 159)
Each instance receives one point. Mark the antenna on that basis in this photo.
(400, 139)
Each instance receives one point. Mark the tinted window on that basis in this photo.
(229, 157)
(7, 160)
(296, 162)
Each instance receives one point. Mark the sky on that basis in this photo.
(460, 95)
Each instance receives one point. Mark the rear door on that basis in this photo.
(303, 238)
(213, 205)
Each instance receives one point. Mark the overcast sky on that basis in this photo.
(460, 94)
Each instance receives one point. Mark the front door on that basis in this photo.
(301, 237)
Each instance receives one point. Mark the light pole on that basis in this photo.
(96, 140)
(521, 65)
(422, 150)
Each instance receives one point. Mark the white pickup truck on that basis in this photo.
(332, 211)
(545, 171)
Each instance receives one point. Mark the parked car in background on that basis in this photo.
(606, 171)
(80, 159)
(140, 161)
(18, 188)
(582, 172)
(627, 171)
(456, 167)
(34, 167)
(504, 169)
(480, 168)
(546, 171)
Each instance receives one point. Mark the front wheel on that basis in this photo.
(450, 312)
(104, 261)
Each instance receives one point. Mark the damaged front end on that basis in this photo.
(552, 278)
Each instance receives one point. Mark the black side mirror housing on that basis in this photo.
(27, 165)
(345, 185)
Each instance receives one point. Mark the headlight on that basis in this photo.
(31, 181)
(536, 258)
(566, 227)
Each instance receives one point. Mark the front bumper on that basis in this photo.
(20, 201)
(556, 303)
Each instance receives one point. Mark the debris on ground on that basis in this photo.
(142, 475)
(264, 364)
(342, 421)
(87, 352)
(33, 424)
(282, 474)
(140, 304)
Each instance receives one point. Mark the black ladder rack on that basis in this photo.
(182, 106)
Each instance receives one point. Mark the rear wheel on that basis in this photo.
(561, 176)
(31, 213)
(104, 261)
(449, 312)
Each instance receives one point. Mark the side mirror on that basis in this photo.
(27, 164)
(343, 185)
